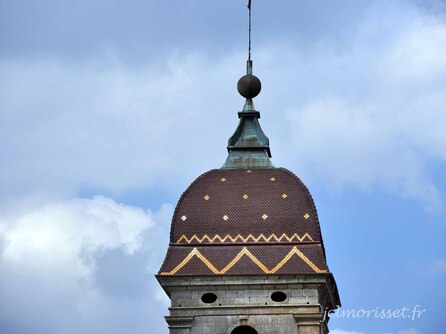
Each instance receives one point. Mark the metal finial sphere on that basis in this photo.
(249, 86)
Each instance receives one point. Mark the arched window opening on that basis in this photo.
(244, 330)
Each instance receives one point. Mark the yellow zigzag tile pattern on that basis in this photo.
(250, 237)
(244, 251)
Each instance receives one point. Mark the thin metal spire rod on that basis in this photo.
(249, 46)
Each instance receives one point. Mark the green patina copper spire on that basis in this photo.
(248, 147)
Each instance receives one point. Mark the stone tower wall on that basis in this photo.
(247, 301)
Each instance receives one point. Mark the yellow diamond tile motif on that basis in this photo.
(225, 217)
(306, 216)
(222, 179)
(183, 218)
(206, 198)
(245, 196)
(284, 196)
(265, 216)
(273, 179)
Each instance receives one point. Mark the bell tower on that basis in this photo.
(246, 254)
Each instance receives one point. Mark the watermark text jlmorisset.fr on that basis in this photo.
(410, 313)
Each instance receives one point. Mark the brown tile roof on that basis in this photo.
(245, 222)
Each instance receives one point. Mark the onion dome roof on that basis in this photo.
(245, 222)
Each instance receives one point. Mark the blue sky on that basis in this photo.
(109, 110)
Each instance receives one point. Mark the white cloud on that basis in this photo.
(49, 263)
(348, 143)
(67, 126)
(366, 112)
(372, 113)
(61, 236)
